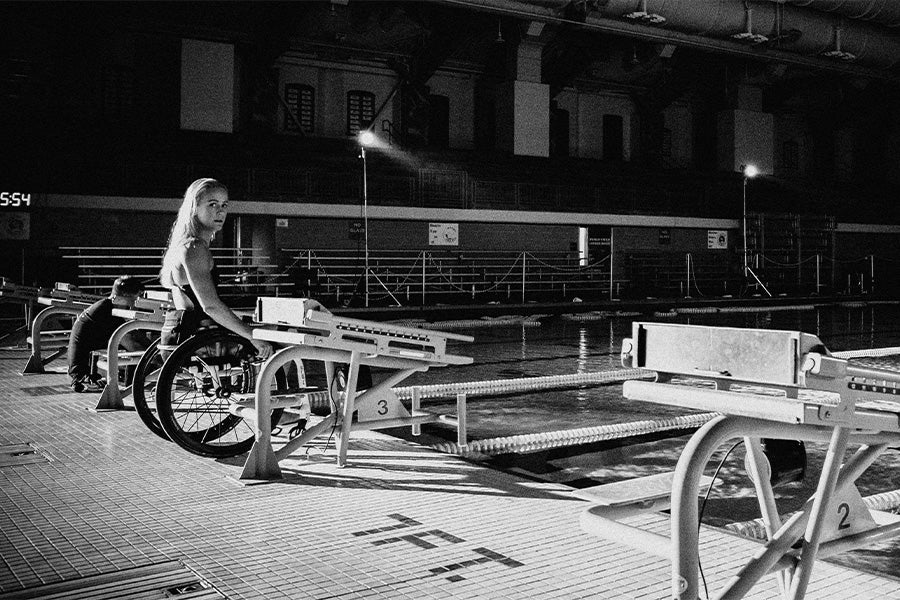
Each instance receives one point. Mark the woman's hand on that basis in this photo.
(311, 304)
(263, 349)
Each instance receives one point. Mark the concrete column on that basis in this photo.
(745, 134)
(208, 86)
(523, 104)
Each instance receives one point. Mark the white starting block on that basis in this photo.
(63, 299)
(314, 334)
(148, 314)
(766, 384)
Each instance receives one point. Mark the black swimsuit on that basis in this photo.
(180, 324)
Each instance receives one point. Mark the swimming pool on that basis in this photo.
(563, 346)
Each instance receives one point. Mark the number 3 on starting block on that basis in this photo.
(385, 405)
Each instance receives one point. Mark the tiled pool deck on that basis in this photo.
(400, 521)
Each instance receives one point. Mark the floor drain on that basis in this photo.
(170, 579)
(185, 588)
(20, 454)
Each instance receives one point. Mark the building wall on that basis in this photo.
(589, 112)
(460, 90)
(791, 128)
(413, 235)
(331, 82)
(678, 118)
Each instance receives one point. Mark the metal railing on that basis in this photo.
(242, 274)
(338, 277)
(422, 277)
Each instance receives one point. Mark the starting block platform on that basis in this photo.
(309, 333)
(148, 314)
(766, 384)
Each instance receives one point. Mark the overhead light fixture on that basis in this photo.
(644, 17)
(499, 39)
(366, 138)
(750, 171)
(837, 53)
(748, 37)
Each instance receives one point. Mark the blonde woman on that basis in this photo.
(189, 272)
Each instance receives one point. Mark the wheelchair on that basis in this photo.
(185, 394)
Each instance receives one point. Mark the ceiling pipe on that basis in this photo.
(695, 23)
(884, 12)
(873, 45)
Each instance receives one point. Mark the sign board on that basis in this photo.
(717, 239)
(599, 242)
(443, 234)
(357, 230)
(665, 237)
(15, 226)
(281, 222)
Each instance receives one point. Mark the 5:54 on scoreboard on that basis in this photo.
(14, 199)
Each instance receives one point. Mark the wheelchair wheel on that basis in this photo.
(143, 389)
(193, 394)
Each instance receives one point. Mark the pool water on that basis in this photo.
(562, 346)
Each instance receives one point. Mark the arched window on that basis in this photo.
(301, 100)
(360, 110)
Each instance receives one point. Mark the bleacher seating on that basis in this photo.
(243, 275)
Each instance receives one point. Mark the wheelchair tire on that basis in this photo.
(143, 389)
(193, 391)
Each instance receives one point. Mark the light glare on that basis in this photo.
(750, 171)
(367, 138)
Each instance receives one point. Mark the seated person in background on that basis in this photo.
(92, 330)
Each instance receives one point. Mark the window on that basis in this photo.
(612, 137)
(301, 101)
(790, 151)
(360, 110)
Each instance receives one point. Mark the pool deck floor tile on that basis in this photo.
(399, 521)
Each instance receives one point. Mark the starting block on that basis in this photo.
(148, 314)
(766, 384)
(311, 334)
(62, 299)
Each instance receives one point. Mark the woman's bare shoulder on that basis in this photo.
(195, 247)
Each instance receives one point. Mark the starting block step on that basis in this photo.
(125, 358)
(638, 491)
(53, 339)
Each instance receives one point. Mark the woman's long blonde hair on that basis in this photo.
(186, 228)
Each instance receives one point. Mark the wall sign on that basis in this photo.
(665, 237)
(443, 234)
(15, 226)
(357, 230)
(717, 239)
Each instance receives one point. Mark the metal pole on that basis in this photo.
(362, 153)
(818, 268)
(687, 279)
(872, 273)
(523, 277)
(611, 254)
(745, 225)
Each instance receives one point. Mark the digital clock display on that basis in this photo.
(14, 199)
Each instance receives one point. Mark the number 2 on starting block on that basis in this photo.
(848, 515)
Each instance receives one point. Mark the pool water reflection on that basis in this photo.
(561, 346)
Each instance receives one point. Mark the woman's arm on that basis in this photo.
(197, 265)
